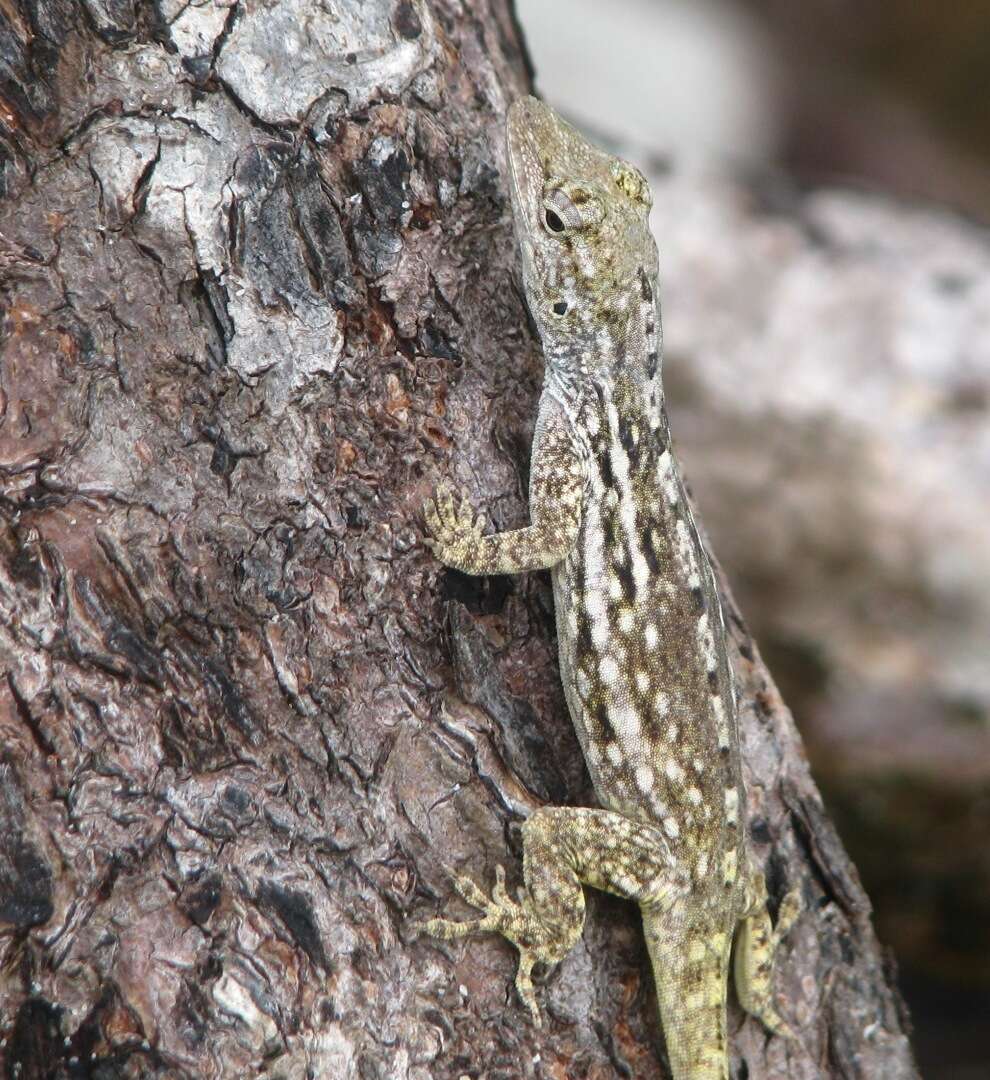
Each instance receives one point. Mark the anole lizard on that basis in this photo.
(643, 653)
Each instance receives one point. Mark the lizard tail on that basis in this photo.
(690, 966)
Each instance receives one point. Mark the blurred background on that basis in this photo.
(822, 181)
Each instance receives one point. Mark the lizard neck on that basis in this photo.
(624, 348)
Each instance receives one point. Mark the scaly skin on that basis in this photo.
(643, 652)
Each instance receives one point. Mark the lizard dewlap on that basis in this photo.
(643, 652)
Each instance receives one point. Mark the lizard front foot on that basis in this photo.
(456, 531)
(502, 915)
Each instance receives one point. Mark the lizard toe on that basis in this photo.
(524, 986)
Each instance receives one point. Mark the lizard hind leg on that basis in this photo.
(563, 849)
(756, 946)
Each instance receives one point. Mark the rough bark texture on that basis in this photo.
(258, 288)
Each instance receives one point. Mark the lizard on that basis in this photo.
(642, 640)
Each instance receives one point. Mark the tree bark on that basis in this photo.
(259, 295)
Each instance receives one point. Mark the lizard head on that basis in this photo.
(582, 221)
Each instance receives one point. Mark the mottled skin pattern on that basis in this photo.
(642, 641)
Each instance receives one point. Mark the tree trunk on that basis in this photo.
(259, 296)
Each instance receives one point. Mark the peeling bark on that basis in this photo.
(258, 297)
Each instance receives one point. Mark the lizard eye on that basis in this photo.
(560, 213)
(568, 207)
(553, 222)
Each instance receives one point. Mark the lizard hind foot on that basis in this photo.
(757, 945)
(505, 916)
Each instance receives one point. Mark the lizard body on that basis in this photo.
(643, 652)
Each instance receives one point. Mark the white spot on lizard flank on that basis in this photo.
(625, 720)
(732, 805)
(609, 669)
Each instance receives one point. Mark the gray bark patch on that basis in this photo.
(356, 46)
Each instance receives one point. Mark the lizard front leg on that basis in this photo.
(563, 849)
(555, 495)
